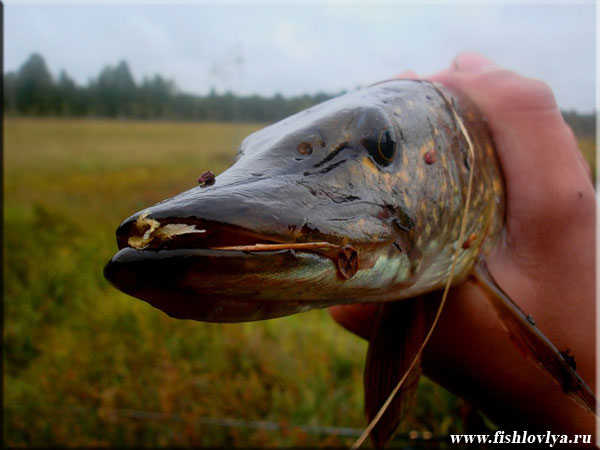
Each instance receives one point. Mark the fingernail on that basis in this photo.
(470, 62)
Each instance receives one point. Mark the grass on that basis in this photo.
(79, 355)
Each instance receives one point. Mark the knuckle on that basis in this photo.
(539, 94)
(516, 93)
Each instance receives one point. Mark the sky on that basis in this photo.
(268, 48)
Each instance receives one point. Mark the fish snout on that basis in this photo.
(261, 211)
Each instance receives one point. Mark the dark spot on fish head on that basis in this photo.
(401, 219)
(347, 262)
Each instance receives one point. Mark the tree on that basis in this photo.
(34, 90)
(114, 91)
(9, 93)
(155, 97)
(67, 95)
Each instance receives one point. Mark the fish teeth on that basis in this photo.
(155, 231)
(175, 229)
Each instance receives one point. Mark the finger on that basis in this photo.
(358, 319)
(467, 62)
(586, 165)
(471, 62)
(407, 75)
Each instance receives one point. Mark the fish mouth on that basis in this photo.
(147, 233)
(203, 270)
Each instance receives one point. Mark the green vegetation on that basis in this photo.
(79, 355)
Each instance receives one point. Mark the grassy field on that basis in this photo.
(85, 365)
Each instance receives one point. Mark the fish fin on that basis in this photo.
(531, 341)
(400, 328)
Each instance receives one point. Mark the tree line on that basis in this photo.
(33, 91)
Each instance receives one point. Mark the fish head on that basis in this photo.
(312, 213)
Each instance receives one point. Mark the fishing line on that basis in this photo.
(457, 250)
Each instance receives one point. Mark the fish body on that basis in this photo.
(359, 199)
(382, 171)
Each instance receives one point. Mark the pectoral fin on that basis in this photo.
(400, 328)
(532, 341)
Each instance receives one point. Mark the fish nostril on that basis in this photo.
(305, 148)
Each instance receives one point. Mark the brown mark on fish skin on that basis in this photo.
(430, 157)
(469, 240)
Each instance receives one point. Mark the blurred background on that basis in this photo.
(111, 108)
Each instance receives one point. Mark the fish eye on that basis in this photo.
(381, 145)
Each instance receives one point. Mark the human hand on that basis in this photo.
(545, 261)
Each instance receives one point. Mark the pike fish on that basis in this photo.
(359, 199)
